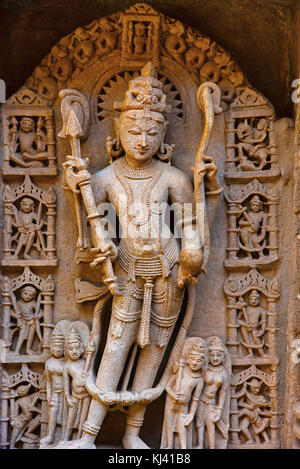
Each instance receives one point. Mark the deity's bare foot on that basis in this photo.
(76, 444)
(133, 442)
(48, 440)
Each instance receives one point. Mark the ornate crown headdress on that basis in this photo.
(144, 92)
(199, 346)
(215, 342)
(73, 336)
(58, 337)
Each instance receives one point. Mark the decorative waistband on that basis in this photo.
(149, 267)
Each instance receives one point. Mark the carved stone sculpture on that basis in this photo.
(54, 369)
(252, 231)
(184, 389)
(29, 145)
(27, 315)
(254, 419)
(142, 271)
(29, 233)
(250, 141)
(252, 318)
(23, 409)
(74, 376)
(212, 417)
(145, 268)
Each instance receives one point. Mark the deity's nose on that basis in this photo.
(143, 141)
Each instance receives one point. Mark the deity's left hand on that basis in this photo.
(190, 264)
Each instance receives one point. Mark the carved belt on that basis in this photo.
(149, 266)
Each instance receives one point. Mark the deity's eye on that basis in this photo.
(134, 132)
(152, 133)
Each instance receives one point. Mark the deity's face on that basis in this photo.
(254, 299)
(216, 356)
(139, 29)
(255, 204)
(27, 205)
(74, 349)
(57, 348)
(255, 388)
(196, 360)
(27, 124)
(22, 390)
(27, 294)
(141, 134)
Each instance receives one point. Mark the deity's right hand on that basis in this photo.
(75, 172)
(109, 250)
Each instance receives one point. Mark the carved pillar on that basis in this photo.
(232, 326)
(232, 249)
(271, 326)
(230, 143)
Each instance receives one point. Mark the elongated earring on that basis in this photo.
(165, 152)
(114, 148)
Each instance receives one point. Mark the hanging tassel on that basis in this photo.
(144, 331)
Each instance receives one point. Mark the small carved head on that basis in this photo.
(74, 344)
(57, 346)
(198, 356)
(139, 29)
(27, 205)
(216, 351)
(254, 298)
(254, 385)
(23, 390)
(28, 293)
(27, 124)
(141, 126)
(255, 204)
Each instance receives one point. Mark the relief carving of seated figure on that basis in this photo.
(30, 141)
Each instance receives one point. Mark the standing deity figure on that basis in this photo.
(184, 389)
(253, 324)
(150, 269)
(23, 420)
(213, 410)
(255, 413)
(253, 226)
(54, 369)
(76, 395)
(27, 312)
(30, 141)
(29, 225)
